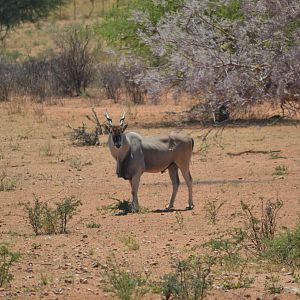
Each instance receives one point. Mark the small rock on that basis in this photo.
(95, 264)
(69, 280)
(83, 280)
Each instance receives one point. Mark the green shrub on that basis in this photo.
(285, 247)
(93, 225)
(280, 170)
(125, 284)
(7, 258)
(35, 215)
(191, 279)
(65, 210)
(46, 220)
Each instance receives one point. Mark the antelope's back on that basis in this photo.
(163, 150)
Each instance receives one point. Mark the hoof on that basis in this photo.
(168, 208)
(135, 209)
(190, 207)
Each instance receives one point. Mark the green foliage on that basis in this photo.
(227, 251)
(285, 248)
(65, 210)
(191, 279)
(281, 170)
(120, 30)
(125, 284)
(93, 225)
(15, 12)
(35, 215)
(230, 11)
(7, 258)
(46, 220)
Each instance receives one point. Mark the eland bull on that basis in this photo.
(135, 155)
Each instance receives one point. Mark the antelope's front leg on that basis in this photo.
(134, 182)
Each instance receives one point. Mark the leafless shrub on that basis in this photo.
(134, 72)
(260, 229)
(82, 136)
(7, 79)
(110, 79)
(74, 65)
(235, 53)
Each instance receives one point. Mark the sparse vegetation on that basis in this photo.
(284, 248)
(191, 279)
(77, 163)
(179, 219)
(7, 258)
(262, 228)
(6, 183)
(124, 283)
(280, 170)
(130, 242)
(93, 225)
(272, 284)
(47, 149)
(212, 209)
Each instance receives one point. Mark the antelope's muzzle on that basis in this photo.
(117, 139)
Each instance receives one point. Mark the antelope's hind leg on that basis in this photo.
(173, 172)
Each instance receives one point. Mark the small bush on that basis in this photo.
(46, 220)
(65, 211)
(285, 248)
(130, 242)
(280, 170)
(191, 279)
(272, 285)
(7, 258)
(263, 228)
(35, 215)
(6, 183)
(125, 284)
(93, 225)
(212, 210)
(82, 137)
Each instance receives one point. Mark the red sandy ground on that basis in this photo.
(24, 137)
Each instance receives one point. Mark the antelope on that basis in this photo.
(135, 154)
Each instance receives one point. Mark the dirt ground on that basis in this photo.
(37, 154)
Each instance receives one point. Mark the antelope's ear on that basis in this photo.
(124, 127)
